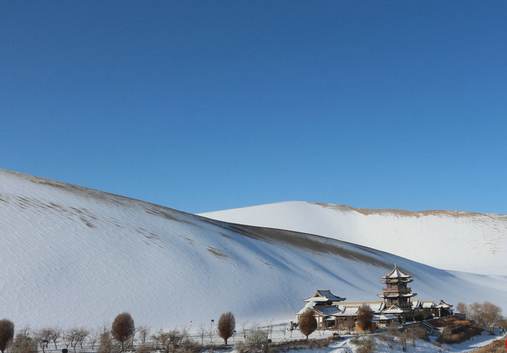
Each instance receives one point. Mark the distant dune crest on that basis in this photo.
(463, 241)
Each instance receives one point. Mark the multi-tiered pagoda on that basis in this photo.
(396, 292)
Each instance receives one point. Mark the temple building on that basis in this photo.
(396, 293)
(332, 312)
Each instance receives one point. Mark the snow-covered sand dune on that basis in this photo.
(73, 256)
(452, 240)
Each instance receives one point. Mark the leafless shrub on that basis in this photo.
(189, 346)
(403, 336)
(307, 323)
(417, 333)
(364, 345)
(322, 343)
(145, 348)
(170, 340)
(226, 326)
(256, 341)
(106, 344)
(6, 333)
(23, 343)
(448, 336)
(123, 328)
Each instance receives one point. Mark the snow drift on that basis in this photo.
(73, 256)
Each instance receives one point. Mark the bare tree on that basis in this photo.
(93, 338)
(144, 331)
(80, 335)
(307, 323)
(226, 326)
(156, 338)
(54, 334)
(462, 308)
(202, 333)
(487, 315)
(210, 332)
(6, 333)
(67, 338)
(364, 316)
(123, 328)
(43, 337)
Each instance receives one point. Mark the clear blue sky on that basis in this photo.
(209, 105)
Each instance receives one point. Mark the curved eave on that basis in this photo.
(396, 280)
(396, 295)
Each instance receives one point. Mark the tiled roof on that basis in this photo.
(396, 273)
(323, 296)
(393, 309)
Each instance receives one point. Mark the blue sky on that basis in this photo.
(209, 105)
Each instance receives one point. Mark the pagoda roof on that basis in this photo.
(324, 296)
(328, 310)
(393, 309)
(442, 305)
(428, 304)
(416, 303)
(384, 317)
(396, 273)
(375, 306)
(348, 311)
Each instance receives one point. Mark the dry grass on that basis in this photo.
(497, 346)
(450, 322)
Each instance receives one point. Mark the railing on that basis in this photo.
(397, 290)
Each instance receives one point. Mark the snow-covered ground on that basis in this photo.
(73, 256)
(452, 240)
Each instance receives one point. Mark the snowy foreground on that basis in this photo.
(345, 344)
(73, 257)
(279, 334)
(421, 346)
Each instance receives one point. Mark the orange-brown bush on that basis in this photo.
(6, 333)
(307, 323)
(450, 322)
(497, 346)
(123, 328)
(364, 316)
(226, 326)
(447, 336)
